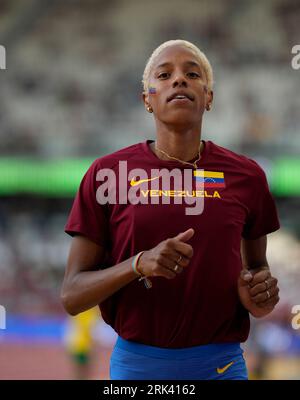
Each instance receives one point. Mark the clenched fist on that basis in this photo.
(169, 257)
(258, 291)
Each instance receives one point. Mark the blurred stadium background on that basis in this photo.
(71, 93)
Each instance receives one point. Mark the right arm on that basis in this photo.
(84, 285)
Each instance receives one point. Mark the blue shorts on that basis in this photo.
(130, 360)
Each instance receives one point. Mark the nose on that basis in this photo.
(179, 80)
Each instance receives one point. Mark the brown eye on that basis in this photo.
(163, 75)
(193, 75)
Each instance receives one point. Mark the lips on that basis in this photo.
(181, 95)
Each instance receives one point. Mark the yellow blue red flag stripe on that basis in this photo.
(209, 179)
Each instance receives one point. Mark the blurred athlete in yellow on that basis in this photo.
(79, 340)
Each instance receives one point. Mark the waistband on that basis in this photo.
(215, 350)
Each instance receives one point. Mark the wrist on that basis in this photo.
(137, 269)
(139, 265)
(135, 264)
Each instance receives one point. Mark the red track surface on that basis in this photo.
(50, 361)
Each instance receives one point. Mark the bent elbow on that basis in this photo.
(68, 303)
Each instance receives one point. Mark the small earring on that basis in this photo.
(208, 107)
(149, 109)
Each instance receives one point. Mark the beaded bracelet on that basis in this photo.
(134, 264)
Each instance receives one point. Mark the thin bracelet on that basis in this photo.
(134, 264)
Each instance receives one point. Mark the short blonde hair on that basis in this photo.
(202, 57)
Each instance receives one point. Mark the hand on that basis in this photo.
(258, 291)
(162, 259)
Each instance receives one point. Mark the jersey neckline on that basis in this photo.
(170, 163)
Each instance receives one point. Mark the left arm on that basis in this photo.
(257, 288)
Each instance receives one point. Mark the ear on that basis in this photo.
(209, 99)
(145, 99)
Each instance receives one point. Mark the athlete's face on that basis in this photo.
(178, 71)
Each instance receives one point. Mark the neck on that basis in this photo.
(182, 143)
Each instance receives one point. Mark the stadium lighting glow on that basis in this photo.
(61, 178)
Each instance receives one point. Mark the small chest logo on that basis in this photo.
(209, 179)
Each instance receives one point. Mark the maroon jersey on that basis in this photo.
(200, 305)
